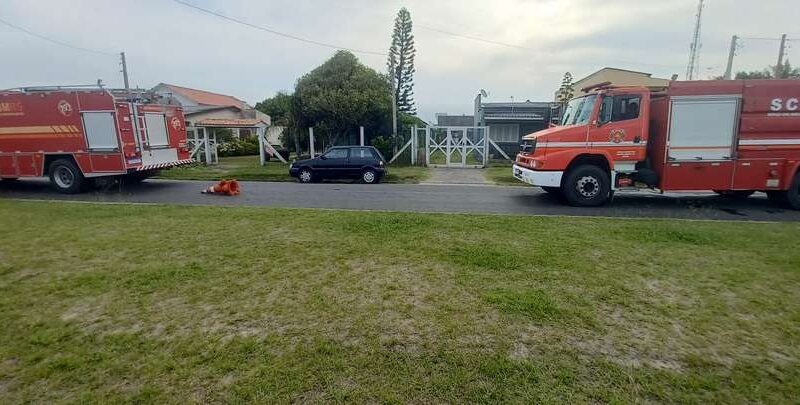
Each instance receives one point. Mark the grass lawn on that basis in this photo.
(148, 303)
(500, 173)
(249, 168)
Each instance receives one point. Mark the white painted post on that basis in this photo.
(486, 147)
(449, 141)
(427, 146)
(207, 145)
(361, 133)
(215, 154)
(311, 141)
(261, 152)
(413, 145)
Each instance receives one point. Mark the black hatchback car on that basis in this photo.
(342, 162)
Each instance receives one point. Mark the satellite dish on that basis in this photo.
(484, 93)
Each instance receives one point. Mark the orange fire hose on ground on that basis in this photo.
(224, 187)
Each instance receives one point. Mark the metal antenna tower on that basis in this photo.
(694, 49)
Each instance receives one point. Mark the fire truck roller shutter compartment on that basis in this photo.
(157, 135)
(703, 128)
(101, 132)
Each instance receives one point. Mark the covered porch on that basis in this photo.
(202, 137)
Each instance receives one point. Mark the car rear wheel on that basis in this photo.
(587, 186)
(66, 177)
(305, 176)
(369, 176)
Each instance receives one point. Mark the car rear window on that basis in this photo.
(363, 153)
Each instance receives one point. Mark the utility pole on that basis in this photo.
(731, 54)
(693, 67)
(125, 72)
(781, 52)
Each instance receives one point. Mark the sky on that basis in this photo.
(510, 48)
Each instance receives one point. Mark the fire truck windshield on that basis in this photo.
(579, 110)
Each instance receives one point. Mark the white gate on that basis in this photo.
(451, 146)
(457, 146)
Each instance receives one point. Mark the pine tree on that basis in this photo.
(401, 62)
(566, 91)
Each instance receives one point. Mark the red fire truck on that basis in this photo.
(76, 135)
(733, 137)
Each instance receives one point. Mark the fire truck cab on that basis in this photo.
(76, 135)
(730, 137)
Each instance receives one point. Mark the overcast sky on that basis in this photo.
(168, 42)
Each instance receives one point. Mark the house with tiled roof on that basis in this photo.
(206, 109)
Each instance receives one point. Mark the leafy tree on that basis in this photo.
(786, 72)
(566, 91)
(281, 110)
(401, 61)
(339, 96)
(278, 107)
(755, 74)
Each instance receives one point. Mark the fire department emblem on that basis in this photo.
(176, 123)
(616, 135)
(65, 108)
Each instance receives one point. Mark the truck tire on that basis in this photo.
(586, 186)
(793, 193)
(66, 177)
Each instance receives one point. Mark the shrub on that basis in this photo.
(239, 147)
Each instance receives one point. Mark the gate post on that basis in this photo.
(449, 141)
(427, 146)
(485, 146)
(413, 145)
(261, 152)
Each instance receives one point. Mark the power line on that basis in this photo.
(55, 41)
(525, 48)
(473, 38)
(274, 32)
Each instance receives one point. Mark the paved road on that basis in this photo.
(425, 198)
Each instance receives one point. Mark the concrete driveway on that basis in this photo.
(420, 198)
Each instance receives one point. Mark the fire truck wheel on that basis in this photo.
(66, 177)
(735, 193)
(778, 197)
(587, 186)
(793, 194)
